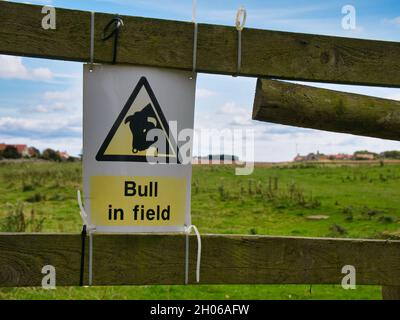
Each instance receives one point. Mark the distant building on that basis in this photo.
(216, 159)
(309, 157)
(312, 157)
(33, 152)
(22, 149)
(364, 156)
(63, 155)
(342, 156)
(298, 158)
(322, 157)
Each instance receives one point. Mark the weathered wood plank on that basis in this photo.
(226, 259)
(165, 43)
(310, 107)
(391, 292)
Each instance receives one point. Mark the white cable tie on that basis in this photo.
(240, 22)
(83, 214)
(91, 41)
(81, 209)
(195, 36)
(241, 17)
(194, 50)
(187, 231)
(194, 10)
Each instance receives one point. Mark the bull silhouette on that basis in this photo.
(140, 123)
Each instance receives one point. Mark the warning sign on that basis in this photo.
(138, 200)
(141, 113)
(133, 115)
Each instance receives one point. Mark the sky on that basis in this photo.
(41, 100)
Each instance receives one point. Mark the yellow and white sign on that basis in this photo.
(139, 201)
(134, 176)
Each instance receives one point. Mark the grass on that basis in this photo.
(360, 202)
(215, 292)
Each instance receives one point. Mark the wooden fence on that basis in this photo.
(138, 259)
(165, 43)
(226, 259)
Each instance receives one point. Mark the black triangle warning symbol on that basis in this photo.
(126, 141)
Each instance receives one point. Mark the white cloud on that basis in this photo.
(38, 2)
(55, 107)
(13, 68)
(394, 21)
(204, 93)
(42, 127)
(268, 14)
(237, 116)
(69, 100)
(241, 121)
(48, 118)
(230, 108)
(59, 95)
(40, 74)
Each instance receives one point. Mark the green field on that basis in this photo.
(359, 202)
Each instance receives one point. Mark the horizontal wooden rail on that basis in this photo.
(310, 107)
(226, 259)
(165, 43)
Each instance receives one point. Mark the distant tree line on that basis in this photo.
(11, 152)
(393, 154)
(223, 157)
(358, 155)
(390, 154)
